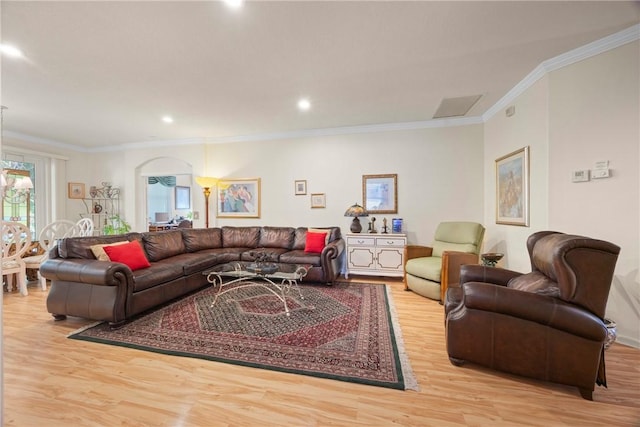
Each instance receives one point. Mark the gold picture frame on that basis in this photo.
(76, 190)
(318, 200)
(512, 188)
(238, 198)
(380, 193)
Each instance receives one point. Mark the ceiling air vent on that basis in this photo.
(456, 107)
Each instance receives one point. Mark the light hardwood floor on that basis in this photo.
(51, 381)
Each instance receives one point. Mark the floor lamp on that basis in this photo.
(206, 182)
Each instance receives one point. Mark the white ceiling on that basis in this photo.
(101, 74)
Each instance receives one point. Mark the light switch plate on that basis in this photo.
(600, 173)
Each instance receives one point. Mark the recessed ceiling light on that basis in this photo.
(304, 104)
(167, 119)
(11, 51)
(234, 4)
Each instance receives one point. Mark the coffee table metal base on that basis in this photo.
(280, 290)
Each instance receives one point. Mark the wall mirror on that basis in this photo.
(380, 193)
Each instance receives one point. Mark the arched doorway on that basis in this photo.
(166, 197)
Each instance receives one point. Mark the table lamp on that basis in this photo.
(355, 211)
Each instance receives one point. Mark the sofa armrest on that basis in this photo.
(93, 272)
(451, 263)
(481, 273)
(543, 309)
(331, 257)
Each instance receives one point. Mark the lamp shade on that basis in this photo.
(206, 181)
(355, 210)
(24, 183)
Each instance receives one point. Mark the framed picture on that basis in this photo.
(512, 188)
(318, 200)
(301, 187)
(76, 190)
(183, 197)
(238, 198)
(380, 193)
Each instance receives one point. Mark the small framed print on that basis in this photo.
(76, 190)
(301, 187)
(318, 200)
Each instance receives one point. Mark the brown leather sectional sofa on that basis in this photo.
(84, 287)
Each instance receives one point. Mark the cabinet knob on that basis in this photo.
(361, 241)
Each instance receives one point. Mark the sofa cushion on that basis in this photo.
(195, 262)
(276, 237)
(158, 273)
(299, 239)
(163, 244)
(240, 237)
(325, 231)
(100, 254)
(130, 254)
(300, 257)
(429, 268)
(273, 254)
(315, 242)
(197, 239)
(80, 247)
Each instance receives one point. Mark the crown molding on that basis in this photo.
(350, 130)
(597, 47)
(41, 141)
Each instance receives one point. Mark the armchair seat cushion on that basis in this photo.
(429, 268)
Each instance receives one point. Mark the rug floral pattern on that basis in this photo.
(344, 332)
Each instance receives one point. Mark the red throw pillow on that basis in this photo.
(130, 254)
(315, 242)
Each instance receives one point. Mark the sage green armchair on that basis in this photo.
(429, 270)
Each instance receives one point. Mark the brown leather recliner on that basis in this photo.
(547, 324)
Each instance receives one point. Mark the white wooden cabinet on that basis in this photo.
(375, 254)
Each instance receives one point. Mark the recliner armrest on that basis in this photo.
(481, 273)
(452, 261)
(417, 251)
(542, 309)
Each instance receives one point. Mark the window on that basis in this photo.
(19, 205)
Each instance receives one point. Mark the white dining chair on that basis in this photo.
(47, 239)
(82, 228)
(16, 240)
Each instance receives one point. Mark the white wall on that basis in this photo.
(594, 115)
(504, 135)
(572, 118)
(438, 176)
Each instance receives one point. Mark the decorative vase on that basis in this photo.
(491, 259)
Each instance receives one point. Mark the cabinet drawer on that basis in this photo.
(396, 242)
(361, 241)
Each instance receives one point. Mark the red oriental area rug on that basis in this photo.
(346, 332)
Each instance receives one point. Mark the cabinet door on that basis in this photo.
(390, 259)
(361, 257)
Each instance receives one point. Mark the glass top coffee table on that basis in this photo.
(278, 279)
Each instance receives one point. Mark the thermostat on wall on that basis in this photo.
(580, 176)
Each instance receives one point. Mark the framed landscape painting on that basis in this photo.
(512, 188)
(238, 198)
(380, 193)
